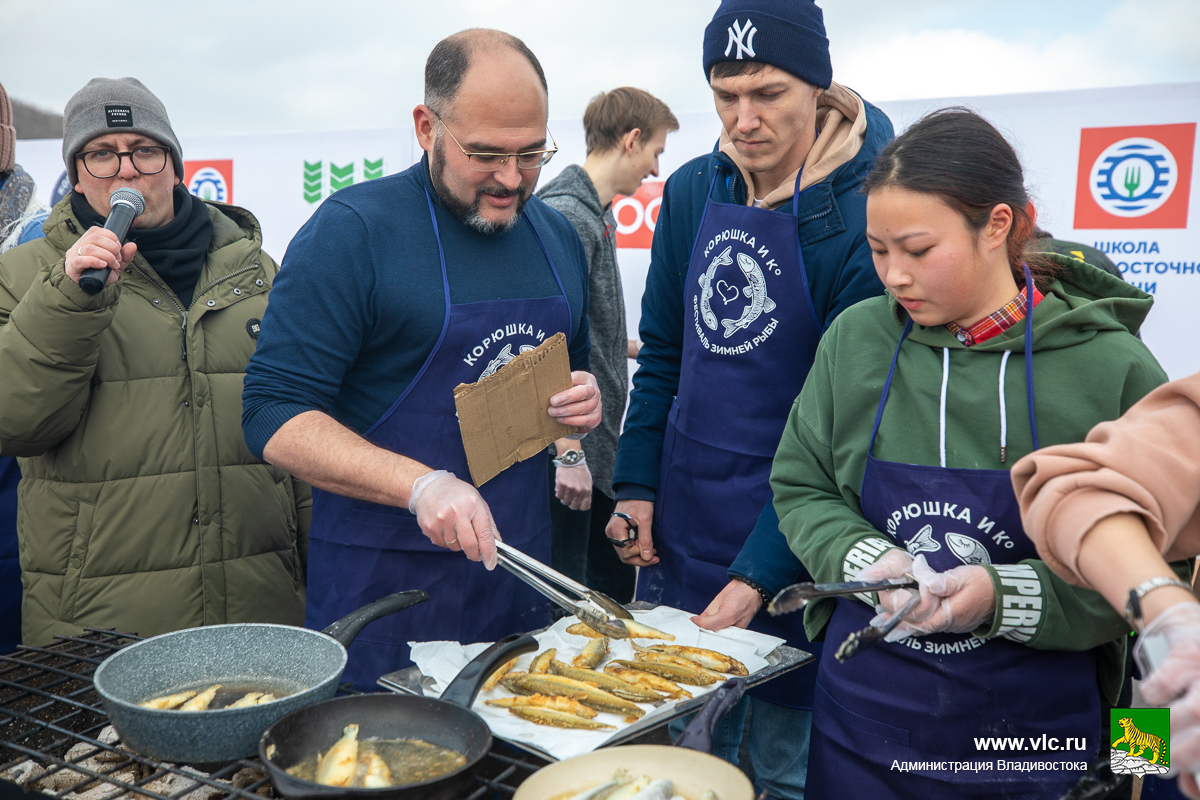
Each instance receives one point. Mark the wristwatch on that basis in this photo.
(1133, 607)
(571, 458)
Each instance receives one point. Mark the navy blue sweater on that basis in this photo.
(832, 222)
(358, 306)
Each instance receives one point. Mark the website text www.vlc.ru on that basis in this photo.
(1043, 743)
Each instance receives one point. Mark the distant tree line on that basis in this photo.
(34, 123)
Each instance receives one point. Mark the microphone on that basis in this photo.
(126, 205)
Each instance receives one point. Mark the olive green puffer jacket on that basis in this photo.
(140, 506)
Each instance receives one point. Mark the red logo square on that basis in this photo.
(637, 215)
(210, 180)
(1136, 176)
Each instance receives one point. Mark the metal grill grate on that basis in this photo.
(50, 715)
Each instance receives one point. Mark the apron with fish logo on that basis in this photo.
(367, 550)
(926, 698)
(749, 342)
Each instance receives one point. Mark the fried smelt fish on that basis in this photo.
(247, 700)
(592, 654)
(558, 703)
(200, 702)
(709, 659)
(169, 701)
(666, 658)
(337, 767)
(584, 692)
(557, 719)
(693, 676)
(609, 683)
(377, 774)
(579, 629)
(541, 662)
(636, 631)
(650, 681)
(495, 677)
(509, 681)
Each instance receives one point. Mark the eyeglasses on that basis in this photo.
(149, 160)
(494, 162)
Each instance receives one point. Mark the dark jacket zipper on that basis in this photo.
(184, 312)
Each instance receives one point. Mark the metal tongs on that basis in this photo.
(871, 635)
(798, 595)
(595, 609)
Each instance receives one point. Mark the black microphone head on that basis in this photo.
(130, 197)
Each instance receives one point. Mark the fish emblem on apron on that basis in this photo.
(756, 291)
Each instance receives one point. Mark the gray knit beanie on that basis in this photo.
(115, 105)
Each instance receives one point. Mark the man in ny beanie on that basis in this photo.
(758, 247)
(140, 506)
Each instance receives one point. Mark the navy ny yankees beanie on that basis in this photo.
(789, 34)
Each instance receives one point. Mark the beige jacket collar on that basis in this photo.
(841, 126)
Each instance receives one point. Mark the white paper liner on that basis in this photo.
(442, 661)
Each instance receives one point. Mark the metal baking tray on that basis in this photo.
(781, 660)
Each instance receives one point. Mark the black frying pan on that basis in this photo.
(447, 722)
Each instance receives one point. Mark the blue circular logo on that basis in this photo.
(208, 184)
(1133, 177)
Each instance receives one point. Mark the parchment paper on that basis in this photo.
(442, 661)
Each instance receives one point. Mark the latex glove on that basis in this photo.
(98, 248)
(895, 563)
(573, 486)
(640, 554)
(580, 405)
(454, 515)
(1176, 683)
(958, 600)
(736, 605)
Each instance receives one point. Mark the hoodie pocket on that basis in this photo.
(75, 562)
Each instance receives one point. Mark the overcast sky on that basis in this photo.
(232, 66)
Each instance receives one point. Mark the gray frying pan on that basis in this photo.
(303, 664)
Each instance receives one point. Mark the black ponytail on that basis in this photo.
(956, 154)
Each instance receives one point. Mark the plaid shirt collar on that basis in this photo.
(996, 323)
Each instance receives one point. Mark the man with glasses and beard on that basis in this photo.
(140, 506)
(396, 291)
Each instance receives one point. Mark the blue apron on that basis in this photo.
(10, 567)
(360, 551)
(926, 698)
(749, 341)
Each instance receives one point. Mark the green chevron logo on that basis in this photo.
(312, 181)
(340, 177)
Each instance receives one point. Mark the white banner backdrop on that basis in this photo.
(1110, 168)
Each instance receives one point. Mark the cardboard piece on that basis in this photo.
(503, 418)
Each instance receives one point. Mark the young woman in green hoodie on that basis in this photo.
(895, 462)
